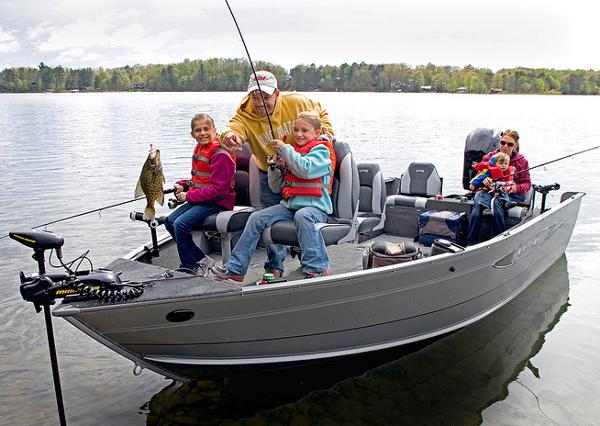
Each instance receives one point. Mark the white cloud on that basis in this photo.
(495, 34)
(8, 42)
(81, 33)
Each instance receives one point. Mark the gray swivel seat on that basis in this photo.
(343, 224)
(371, 208)
(419, 182)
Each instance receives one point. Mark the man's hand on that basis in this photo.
(279, 162)
(231, 141)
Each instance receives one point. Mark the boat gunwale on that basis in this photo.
(65, 309)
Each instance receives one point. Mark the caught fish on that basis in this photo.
(151, 183)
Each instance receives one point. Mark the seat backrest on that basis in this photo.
(372, 188)
(247, 185)
(421, 179)
(346, 183)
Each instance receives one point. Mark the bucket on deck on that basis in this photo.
(382, 253)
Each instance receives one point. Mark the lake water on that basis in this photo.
(536, 361)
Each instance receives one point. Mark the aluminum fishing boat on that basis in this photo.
(186, 326)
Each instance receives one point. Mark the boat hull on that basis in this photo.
(338, 315)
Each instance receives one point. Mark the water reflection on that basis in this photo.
(450, 381)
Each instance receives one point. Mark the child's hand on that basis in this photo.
(472, 187)
(276, 143)
(178, 188)
(181, 196)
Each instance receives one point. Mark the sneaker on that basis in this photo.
(225, 274)
(276, 272)
(315, 274)
(203, 266)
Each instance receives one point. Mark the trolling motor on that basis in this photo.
(43, 289)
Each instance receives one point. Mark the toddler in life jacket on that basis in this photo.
(497, 169)
(303, 174)
(209, 190)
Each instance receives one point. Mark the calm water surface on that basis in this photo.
(536, 361)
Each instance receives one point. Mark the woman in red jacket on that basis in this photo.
(509, 144)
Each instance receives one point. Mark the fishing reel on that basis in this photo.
(173, 203)
(272, 161)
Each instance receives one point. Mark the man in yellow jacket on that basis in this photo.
(250, 124)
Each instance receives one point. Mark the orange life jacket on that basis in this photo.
(294, 185)
(201, 164)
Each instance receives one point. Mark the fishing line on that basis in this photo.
(83, 214)
(262, 97)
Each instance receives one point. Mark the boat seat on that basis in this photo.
(343, 224)
(247, 200)
(419, 182)
(520, 210)
(372, 197)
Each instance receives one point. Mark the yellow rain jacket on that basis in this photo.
(254, 129)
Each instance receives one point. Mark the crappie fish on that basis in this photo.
(151, 183)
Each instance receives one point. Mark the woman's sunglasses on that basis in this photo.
(509, 144)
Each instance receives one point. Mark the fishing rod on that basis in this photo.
(547, 162)
(262, 97)
(558, 159)
(62, 219)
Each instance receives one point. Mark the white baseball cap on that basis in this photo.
(267, 81)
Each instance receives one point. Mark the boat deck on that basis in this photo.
(168, 284)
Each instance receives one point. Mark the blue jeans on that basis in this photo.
(180, 223)
(314, 252)
(275, 252)
(483, 201)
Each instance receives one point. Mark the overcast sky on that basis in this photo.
(113, 33)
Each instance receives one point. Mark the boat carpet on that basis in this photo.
(343, 258)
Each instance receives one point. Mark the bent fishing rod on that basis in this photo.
(262, 97)
(62, 219)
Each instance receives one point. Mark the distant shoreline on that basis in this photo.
(230, 75)
(83, 92)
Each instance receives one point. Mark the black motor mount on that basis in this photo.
(478, 143)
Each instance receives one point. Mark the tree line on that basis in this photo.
(220, 74)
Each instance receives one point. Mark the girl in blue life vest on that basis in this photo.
(304, 176)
